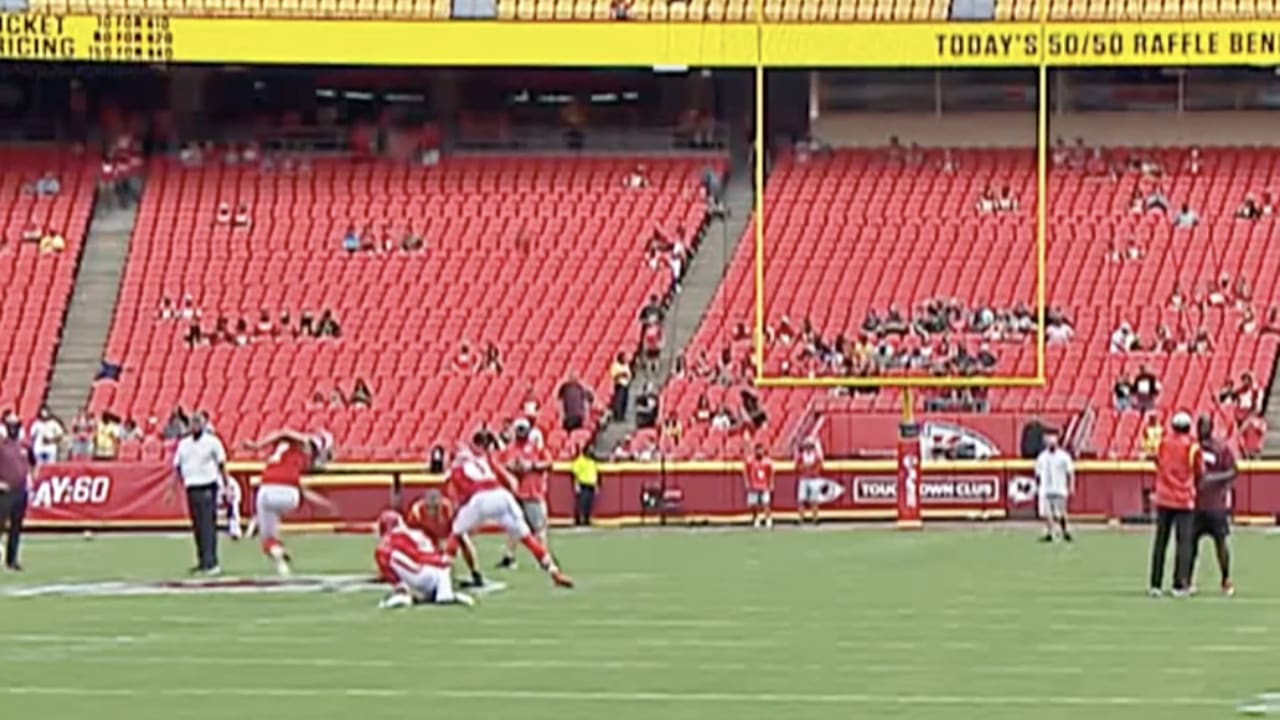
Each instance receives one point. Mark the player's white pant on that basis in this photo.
(491, 506)
(46, 455)
(427, 582)
(273, 502)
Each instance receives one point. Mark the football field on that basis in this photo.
(947, 623)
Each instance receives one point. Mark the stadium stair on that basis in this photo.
(93, 303)
(706, 271)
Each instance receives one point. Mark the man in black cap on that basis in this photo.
(1213, 501)
(16, 461)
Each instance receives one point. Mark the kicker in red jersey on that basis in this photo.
(287, 465)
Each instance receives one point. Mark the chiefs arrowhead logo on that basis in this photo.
(829, 491)
(1022, 489)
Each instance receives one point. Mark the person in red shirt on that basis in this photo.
(1179, 469)
(484, 492)
(758, 472)
(528, 464)
(413, 564)
(280, 489)
(1253, 431)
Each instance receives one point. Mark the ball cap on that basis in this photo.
(1181, 421)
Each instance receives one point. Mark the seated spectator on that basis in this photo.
(52, 243)
(351, 241)
(894, 323)
(264, 328)
(1268, 205)
(465, 361)
(1165, 342)
(722, 420)
(1186, 218)
(241, 336)
(703, 369)
(337, 399)
(188, 310)
(1137, 203)
(1253, 433)
(1122, 393)
(328, 326)
(637, 179)
(1249, 210)
(1152, 434)
(1203, 343)
(194, 335)
(222, 331)
(987, 202)
(1273, 322)
(1193, 163)
(166, 311)
(982, 319)
(361, 395)
(986, 359)
(740, 332)
(283, 326)
(672, 430)
(647, 407)
(1156, 200)
(191, 155)
(411, 242)
(1006, 202)
(242, 218)
(223, 215)
(1177, 298)
(784, 333)
(1058, 334)
(702, 411)
(1243, 293)
(1146, 388)
(1123, 339)
(48, 185)
(1248, 322)
(492, 361)
(871, 323)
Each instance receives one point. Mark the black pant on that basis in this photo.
(202, 504)
(621, 396)
(1181, 523)
(586, 502)
(13, 512)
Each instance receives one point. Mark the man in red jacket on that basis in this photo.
(1179, 469)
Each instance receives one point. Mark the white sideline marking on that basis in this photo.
(586, 664)
(633, 697)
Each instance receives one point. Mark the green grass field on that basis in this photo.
(981, 623)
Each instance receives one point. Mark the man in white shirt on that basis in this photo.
(1056, 479)
(200, 463)
(46, 436)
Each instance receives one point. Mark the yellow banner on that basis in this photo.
(149, 39)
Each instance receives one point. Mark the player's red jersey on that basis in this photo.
(759, 475)
(532, 485)
(1179, 468)
(469, 475)
(809, 462)
(406, 550)
(287, 465)
(435, 520)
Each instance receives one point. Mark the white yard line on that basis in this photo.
(875, 668)
(558, 696)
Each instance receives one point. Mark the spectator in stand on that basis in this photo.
(679, 369)
(82, 431)
(152, 449)
(1058, 333)
(361, 395)
(1186, 218)
(647, 407)
(722, 419)
(575, 403)
(177, 425)
(492, 361)
(194, 335)
(637, 179)
(702, 409)
(1202, 344)
(47, 185)
(1006, 202)
(1247, 397)
(465, 362)
(328, 326)
(1123, 340)
(1253, 433)
(1146, 388)
(651, 343)
(1249, 210)
(652, 313)
(52, 243)
(223, 214)
(620, 373)
(350, 240)
(1243, 294)
(241, 334)
(47, 434)
(106, 439)
(166, 312)
(242, 218)
(987, 202)
(1122, 393)
(222, 331)
(784, 334)
(264, 328)
(985, 358)
(1156, 200)
(751, 410)
(1152, 435)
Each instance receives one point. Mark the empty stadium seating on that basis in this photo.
(37, 286)
(854, 231)
(679, 10)
(543, 257)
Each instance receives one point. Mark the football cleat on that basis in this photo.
(396, 600)
(561, 580)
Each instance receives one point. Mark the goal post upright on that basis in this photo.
(909, 447)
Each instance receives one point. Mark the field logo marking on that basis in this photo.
(216, 586)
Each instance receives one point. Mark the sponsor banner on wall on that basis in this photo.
(976, 491)
(88, 493)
